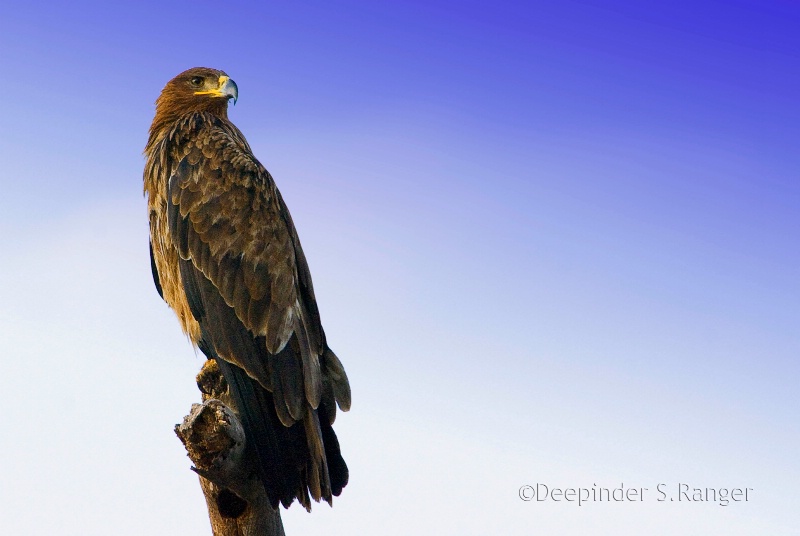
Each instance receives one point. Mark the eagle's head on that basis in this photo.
(199, 89)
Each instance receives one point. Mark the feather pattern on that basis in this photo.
(226, 257)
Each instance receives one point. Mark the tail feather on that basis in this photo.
(280, 450)
(338, 473)
(293, 460)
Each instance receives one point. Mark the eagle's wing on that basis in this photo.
(228, 220)
(336, 387)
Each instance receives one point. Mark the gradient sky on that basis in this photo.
(552, 242)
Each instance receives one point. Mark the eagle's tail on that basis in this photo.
(287, 467)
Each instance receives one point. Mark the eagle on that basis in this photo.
(226, 258)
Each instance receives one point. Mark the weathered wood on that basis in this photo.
(215, 442)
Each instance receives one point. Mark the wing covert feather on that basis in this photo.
(227, 220)
(227, 217)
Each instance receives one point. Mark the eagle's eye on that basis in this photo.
(197, 81)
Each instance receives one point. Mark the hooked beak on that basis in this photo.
(227, 88)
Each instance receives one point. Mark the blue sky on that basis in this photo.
(551, 242)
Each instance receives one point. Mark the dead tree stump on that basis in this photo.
(215, 442)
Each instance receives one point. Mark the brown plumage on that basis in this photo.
(226, 257)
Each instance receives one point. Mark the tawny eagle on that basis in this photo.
(226, 258)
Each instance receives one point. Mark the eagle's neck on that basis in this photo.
(172, 105)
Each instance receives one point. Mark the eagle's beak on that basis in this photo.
(227, 88)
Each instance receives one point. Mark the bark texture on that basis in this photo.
(215, 442)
